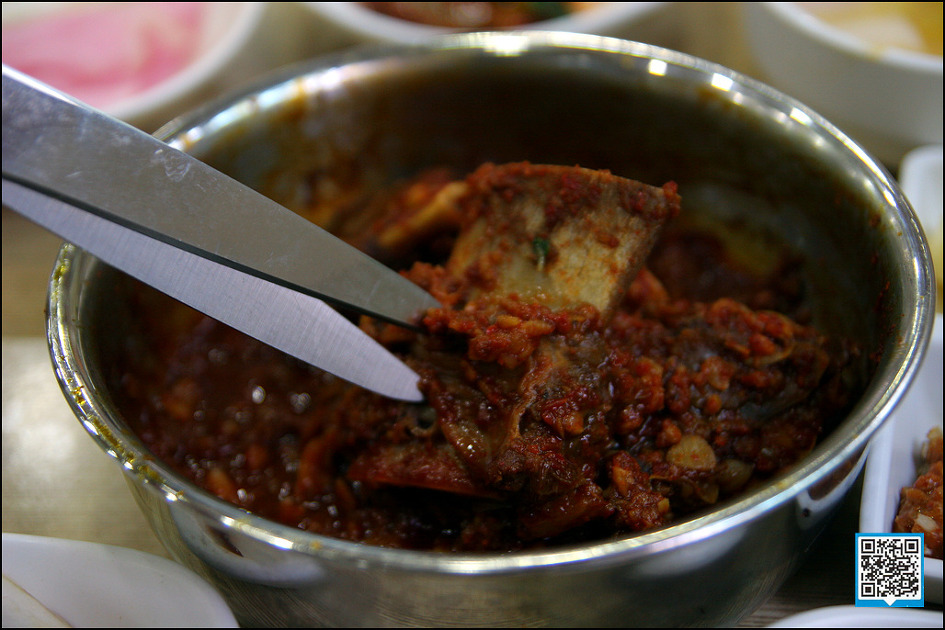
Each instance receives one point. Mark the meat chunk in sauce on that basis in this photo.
(547, 419)
(560, 236)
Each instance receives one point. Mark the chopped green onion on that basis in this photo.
(541, 246)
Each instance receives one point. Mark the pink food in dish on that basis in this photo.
(104, 53)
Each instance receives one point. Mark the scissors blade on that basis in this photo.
(296, 323)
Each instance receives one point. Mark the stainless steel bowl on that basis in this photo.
(736, 148)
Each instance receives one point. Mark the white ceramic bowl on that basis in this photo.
(52, 582)
(891, 464)
(224, 31)
(887, 99)
(649, 22)
(855, 617)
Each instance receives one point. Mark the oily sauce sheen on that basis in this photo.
(541, 426)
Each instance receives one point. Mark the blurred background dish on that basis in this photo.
(54, 582)
(873, 69)
(406, 22)
(141, 62)
(921, 178)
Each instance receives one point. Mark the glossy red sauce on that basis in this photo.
(541, 427)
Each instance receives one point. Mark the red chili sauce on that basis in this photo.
(920, 505)
(540, 427)
(475, 15)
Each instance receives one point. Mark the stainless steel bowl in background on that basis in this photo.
(738, 149)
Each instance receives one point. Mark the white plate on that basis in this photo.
(891, 464)
(55, 582)
(921, 178)
(853, 617)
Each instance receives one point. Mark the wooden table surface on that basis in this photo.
(57, 482)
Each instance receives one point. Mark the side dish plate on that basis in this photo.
(56, 582)
(893, 454)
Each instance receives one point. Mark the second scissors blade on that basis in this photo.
(295, 323)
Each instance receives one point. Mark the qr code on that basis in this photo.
(889, 570)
